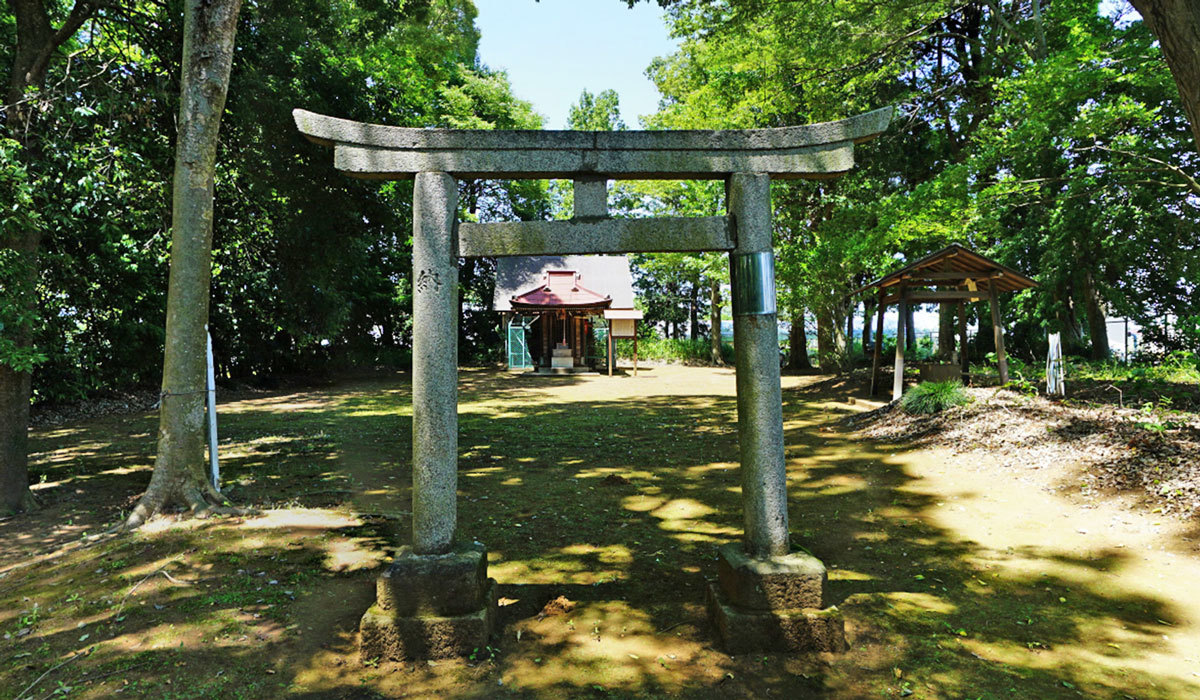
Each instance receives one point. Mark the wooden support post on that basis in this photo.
(612, 360)
(964, 356)
(877, 360)
(901, 336)
(998, 330)
(635, 348)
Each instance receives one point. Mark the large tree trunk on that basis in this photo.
(14, 430)
(1072, 337)
(15, 382)
(1176, 23)
(826, 350)
(1097, 323)
(798, 343)
(37, 43)
(179, 478)
(714, 322)
(946, 318)
(832, 353)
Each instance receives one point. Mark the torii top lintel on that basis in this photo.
(813, 151)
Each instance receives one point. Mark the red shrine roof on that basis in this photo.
(560, 289)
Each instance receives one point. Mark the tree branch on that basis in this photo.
(1179, 172)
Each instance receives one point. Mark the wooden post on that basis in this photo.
(635, 347)
(878, 355)
(964, 356)
(901, 336)
(611, 359)
(998, 330)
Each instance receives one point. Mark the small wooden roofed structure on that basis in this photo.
(955, 274)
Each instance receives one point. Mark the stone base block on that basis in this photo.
(424, 585)
(742, 631)
(384, 634)
(794, 580)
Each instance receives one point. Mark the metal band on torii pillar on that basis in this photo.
(756, 349)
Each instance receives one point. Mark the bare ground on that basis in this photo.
(602, 501)
(1153, 453)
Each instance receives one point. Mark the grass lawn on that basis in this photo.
(959, 578)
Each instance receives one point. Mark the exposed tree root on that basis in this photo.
(29, 502)
(200, 499)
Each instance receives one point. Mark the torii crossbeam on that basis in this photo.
(436, 600)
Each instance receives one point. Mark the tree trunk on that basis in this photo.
(179, 478)
(946, 318)
(37, 43)
(694, 318)
(798, 343)
(714, 331)
(832, 353)
(14, 431)
(1097, 323)
(15, 386)
(910, 331)
(1176, 23)
(826, 350)
(850, 337)
(1072, 338)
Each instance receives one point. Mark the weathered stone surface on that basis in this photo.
(434, 584)
(759, 397)
(591, 198)
(330, 130)
(814, 162)
(435, 363)
(385, 635)
(795, 580)
(658, 235)
(799, 630)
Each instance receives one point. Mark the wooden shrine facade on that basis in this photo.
(560, 312)
(952, 275)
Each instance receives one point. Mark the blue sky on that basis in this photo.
(554, 49)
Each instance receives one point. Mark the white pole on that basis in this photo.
(214, 465)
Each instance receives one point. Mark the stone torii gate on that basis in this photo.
(435, 599)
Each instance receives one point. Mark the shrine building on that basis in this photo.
(561, 312)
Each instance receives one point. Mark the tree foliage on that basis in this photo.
(310, 268)
(1048, 135)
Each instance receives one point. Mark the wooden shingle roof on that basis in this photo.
(952, 266)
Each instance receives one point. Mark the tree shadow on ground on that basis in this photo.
(618, 505)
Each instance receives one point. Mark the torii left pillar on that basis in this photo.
(435, 600)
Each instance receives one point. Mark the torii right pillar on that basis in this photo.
(768, 597)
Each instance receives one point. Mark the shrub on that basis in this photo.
(681, 350)
(934, 397)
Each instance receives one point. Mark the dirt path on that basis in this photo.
(1029, 526)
